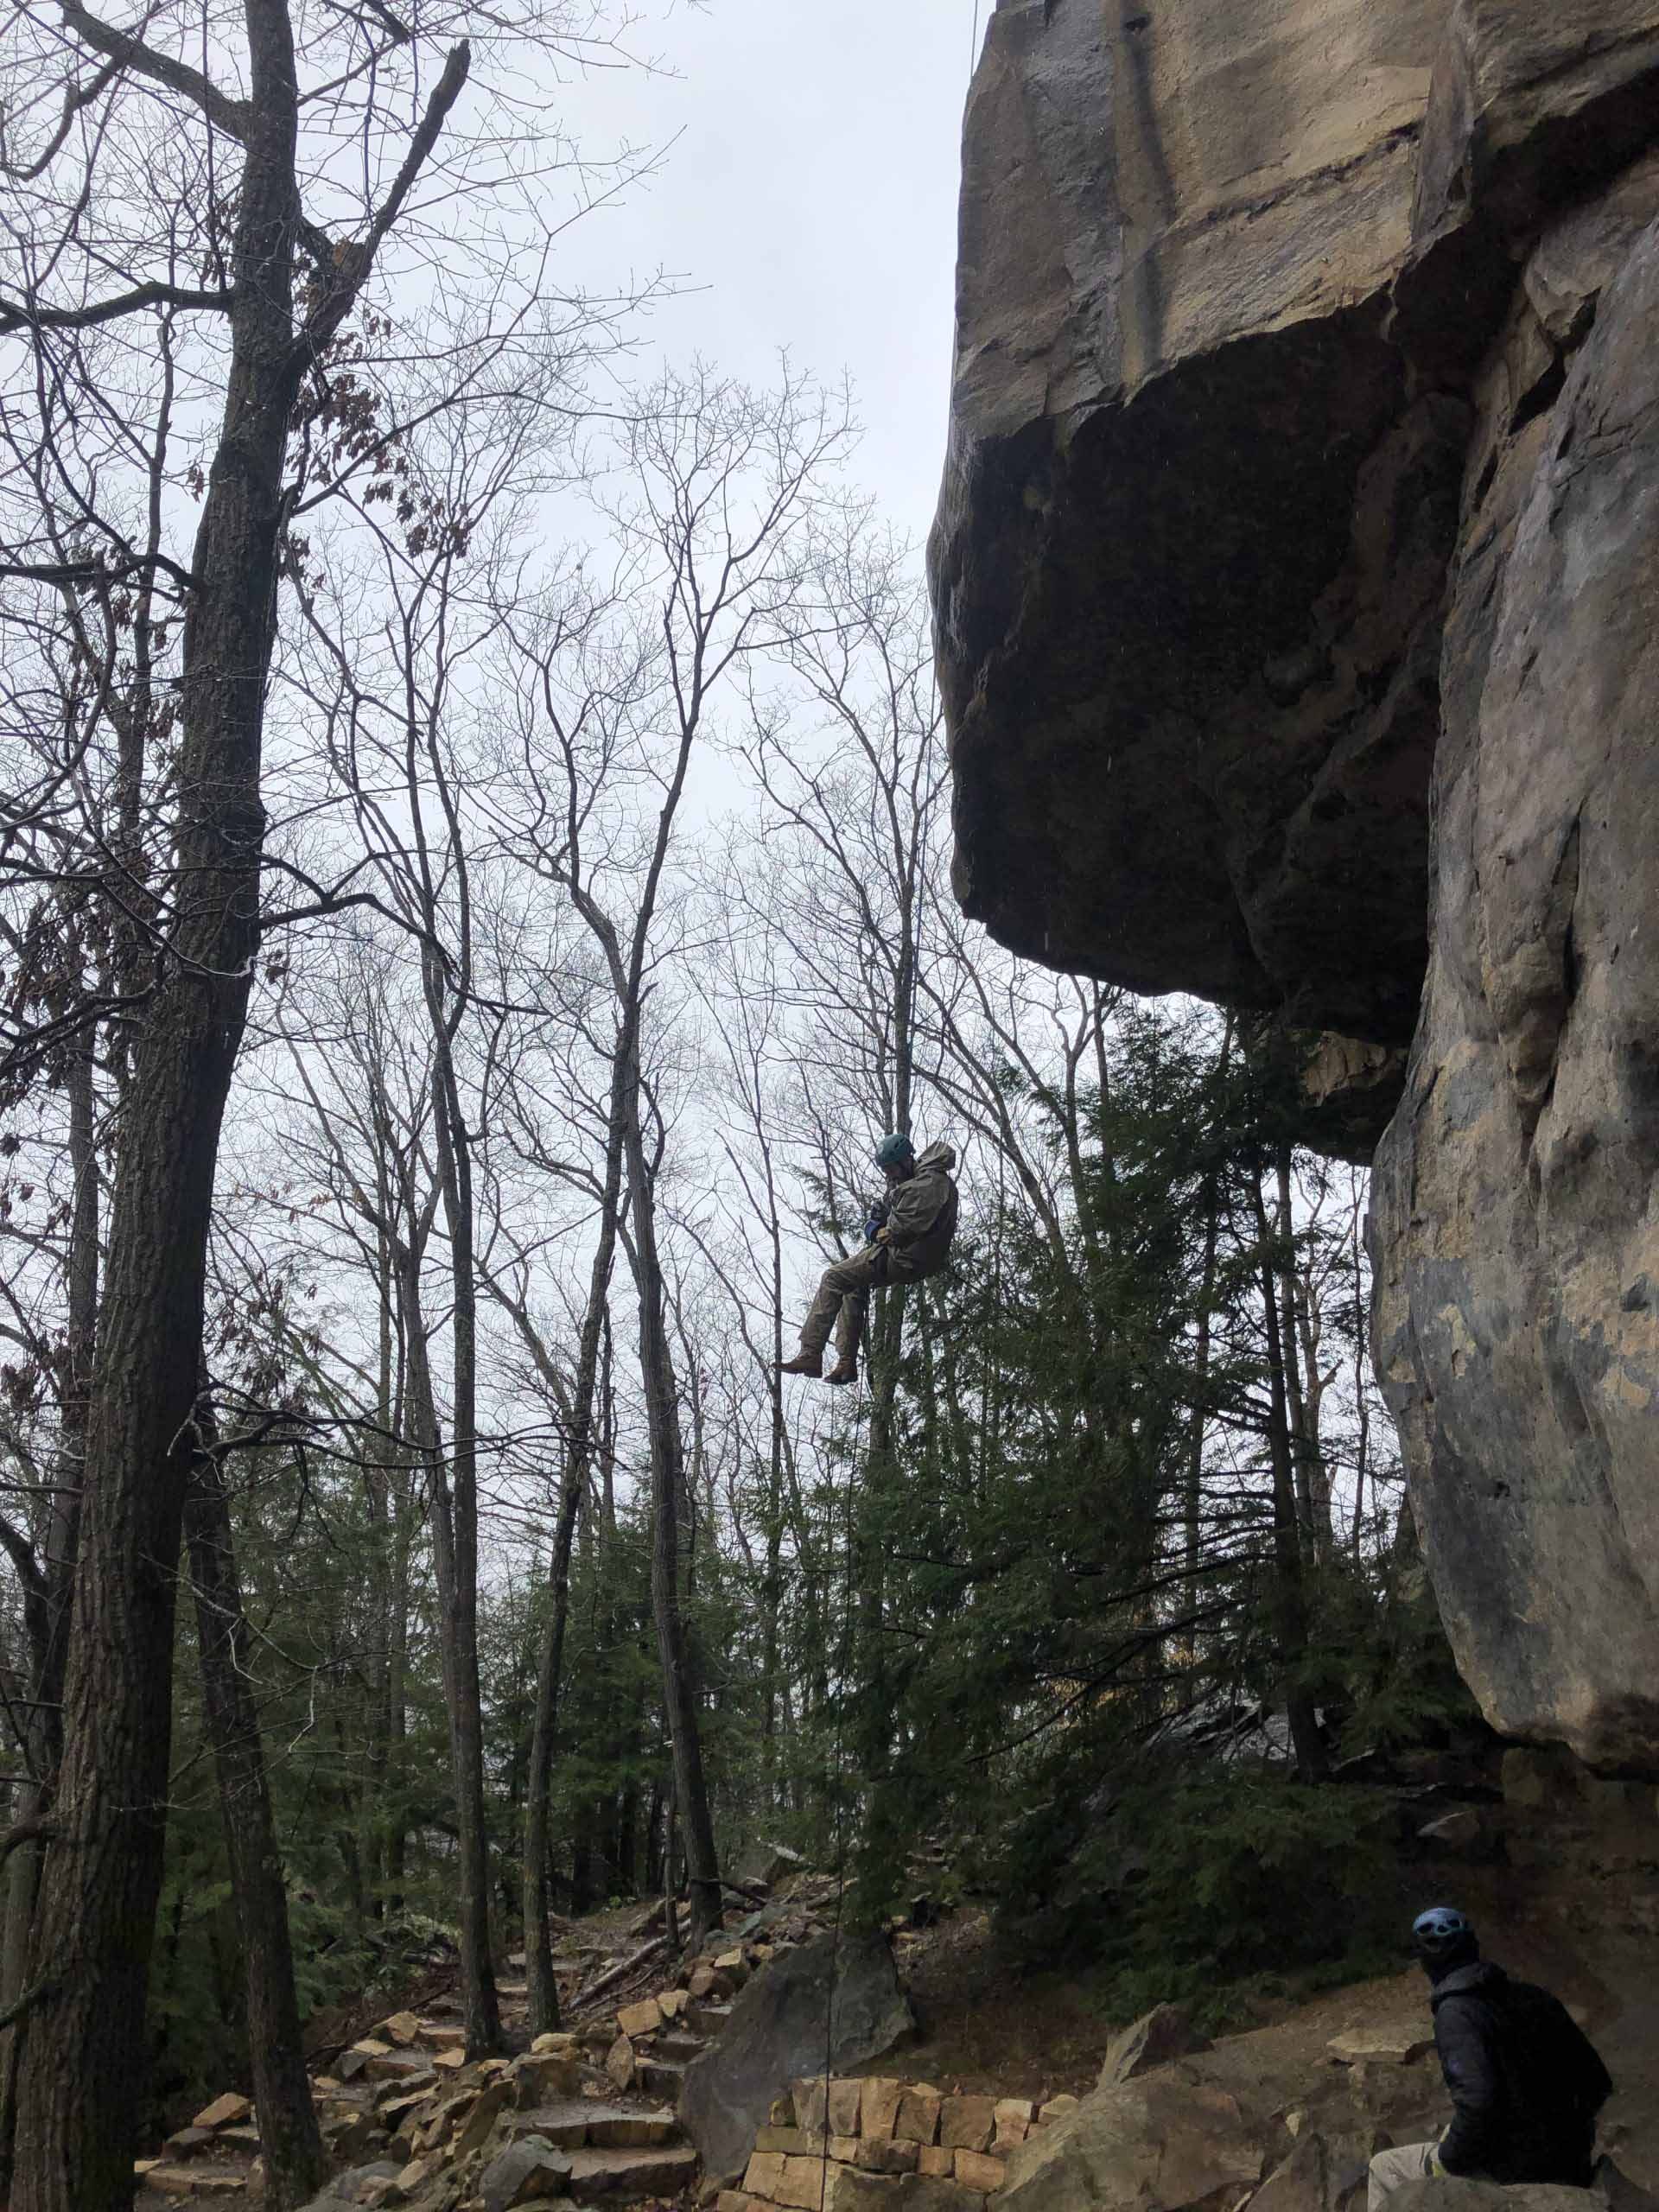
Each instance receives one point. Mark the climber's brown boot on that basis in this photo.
(844, 1372)
(804, 1363)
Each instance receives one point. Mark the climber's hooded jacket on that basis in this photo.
(922, 1217)
(1525, 2080)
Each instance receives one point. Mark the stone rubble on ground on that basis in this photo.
(410, 2122)
(1399, 2044)
(876, 2142)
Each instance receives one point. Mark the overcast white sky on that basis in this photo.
(810, 198)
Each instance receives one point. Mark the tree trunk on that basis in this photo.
(458, 1655)
(671, 1884)
(1311, 1492)
(83, 2067)
(1290, 1592)
(667, 1485)
(543, 1988)
(455, 1521)
(1192, 1499)
(296, 2165)
(50, 1609)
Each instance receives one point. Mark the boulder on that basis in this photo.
(1448, 2194)
(1293, 578)
(1463, 1832)
(846, 2190)
(185, 2142)
(659, 2173)
(1537, 1781)
(527, 2172)
(1164, 2033)
(1321, 2174)
(1357, 2046)
(1160, 2144)
(228, 2110)
(356, 2061)
(541, 2076)
(475, 2130)
(844, 2003)
(768, 1864)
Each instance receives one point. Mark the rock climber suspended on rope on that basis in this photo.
(906, 1238)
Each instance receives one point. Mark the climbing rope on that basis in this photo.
(856, 1458)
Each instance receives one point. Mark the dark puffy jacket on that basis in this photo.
(922, 1217)
(1525, 2080)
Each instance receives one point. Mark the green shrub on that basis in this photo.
(1216, 1885)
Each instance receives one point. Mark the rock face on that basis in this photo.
(1195, 522)
(815, 2004)
(1164, 2142)
(1296, 577)
(1517, 1240)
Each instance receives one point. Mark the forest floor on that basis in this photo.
(1572, 1907)
(1560, 1899)
(988, 2025)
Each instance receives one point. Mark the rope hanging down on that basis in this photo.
(856, 1460)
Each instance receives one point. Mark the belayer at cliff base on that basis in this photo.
(1525, 2082)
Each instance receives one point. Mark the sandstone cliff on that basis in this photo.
(1296, 574)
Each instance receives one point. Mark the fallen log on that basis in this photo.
(623, 1968)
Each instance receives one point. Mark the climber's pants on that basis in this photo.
(1392, 2169)
(844, 1296)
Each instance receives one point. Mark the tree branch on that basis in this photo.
(233, 116)
(75, 98)
(17, 315)
(354, 261)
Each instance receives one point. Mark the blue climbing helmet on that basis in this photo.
(1441, 1930)
(895, 1152)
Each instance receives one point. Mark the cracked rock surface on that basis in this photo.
(1296, 583)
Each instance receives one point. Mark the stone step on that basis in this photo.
(678, 2042)
(169, 2180)
(573, 2124)
(599, 2176)
(660, 2077)
(565, 2126)
(706, 2019)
